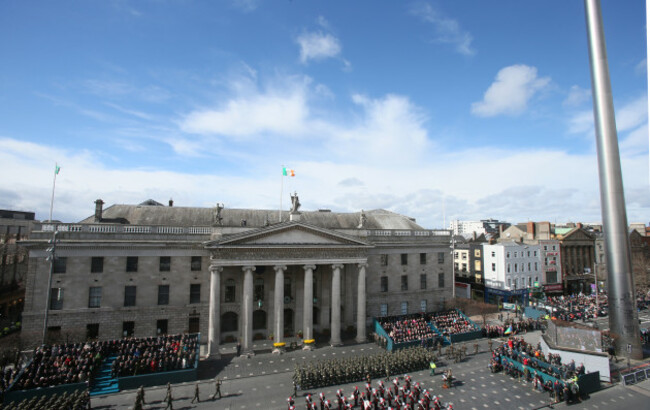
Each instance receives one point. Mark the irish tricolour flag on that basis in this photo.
(288, 172)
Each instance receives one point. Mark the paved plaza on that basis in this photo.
(264, 381)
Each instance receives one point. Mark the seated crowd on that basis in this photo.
(566, 375)
(517, 327)
(451, 322)
(155, 354)
(53, 365)
(407, 328)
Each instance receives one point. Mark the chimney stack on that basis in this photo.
(98, 210)
(530, 229)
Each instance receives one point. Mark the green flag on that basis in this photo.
(57, 168)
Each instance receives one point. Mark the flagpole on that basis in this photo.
(56, 169)
(281, 194)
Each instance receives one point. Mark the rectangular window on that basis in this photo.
(441, 258)
(194, 325)
(195, 265)
(516, 267)
(230, 291)
(455, 255)
(383, 309)
(477, 266)
(92, 331)
(60, 264)
(423, 306)
(530, 281)
(494, 254)
(94, 296)
(131, 263)
(405, 308)
(128, 329)
(129, 295)
(56, 298)
(551, 277)
(535, 266)
(529, 265)
(477, 253)
(528, 254)
(509, 283)
(423, 259)
(516, 254)
(405, 259)
(494, 267)
(545, 247)
(507, 254)
(423, 281)
(553, 247)
(464, 256)
(405, 282)
(195, 293)
(163, 294)
(441, 280)
(508, 268)
(97, 264)
(165, 264)
(161, 326)
(535, 254)
(464, 267)
(384, 260)
(384, 283)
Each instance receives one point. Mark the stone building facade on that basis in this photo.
(232, 274)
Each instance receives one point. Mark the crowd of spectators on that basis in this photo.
(407, 328)
(53, 365)
(451, 322)
(577, 307)
(565, 375)
(154, 354)
(520, 326)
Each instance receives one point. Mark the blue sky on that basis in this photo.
(438, 110)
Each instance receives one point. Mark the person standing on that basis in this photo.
(169, 399)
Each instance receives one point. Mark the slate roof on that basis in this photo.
(193, 216)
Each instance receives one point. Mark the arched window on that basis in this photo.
(230, 291)
(259, 319)
(229, 322)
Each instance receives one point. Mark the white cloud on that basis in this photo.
(318, 46)
(577, 96)
(412, 186)
(632, 114)
(510, 92)
(642, 67)
(582, 122)
(274, 111)
(447, 30)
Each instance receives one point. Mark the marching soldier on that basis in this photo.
(169, 399)
(196, 393)
(217, 387)
(141, 395)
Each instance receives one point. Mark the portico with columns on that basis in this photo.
(284, 279)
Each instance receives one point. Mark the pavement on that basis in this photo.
(263, 381)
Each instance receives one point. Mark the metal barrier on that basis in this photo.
(636, 376)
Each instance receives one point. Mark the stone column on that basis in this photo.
(308, 303)
(214, 319)
(361, 303)
(247, 311)
(336, 305)
(278, 306)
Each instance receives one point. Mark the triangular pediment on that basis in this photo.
(288, 234)
(577, 234)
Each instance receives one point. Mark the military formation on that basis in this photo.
(77, 400)
(352, 369)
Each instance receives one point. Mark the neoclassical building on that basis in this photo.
(232, 274)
